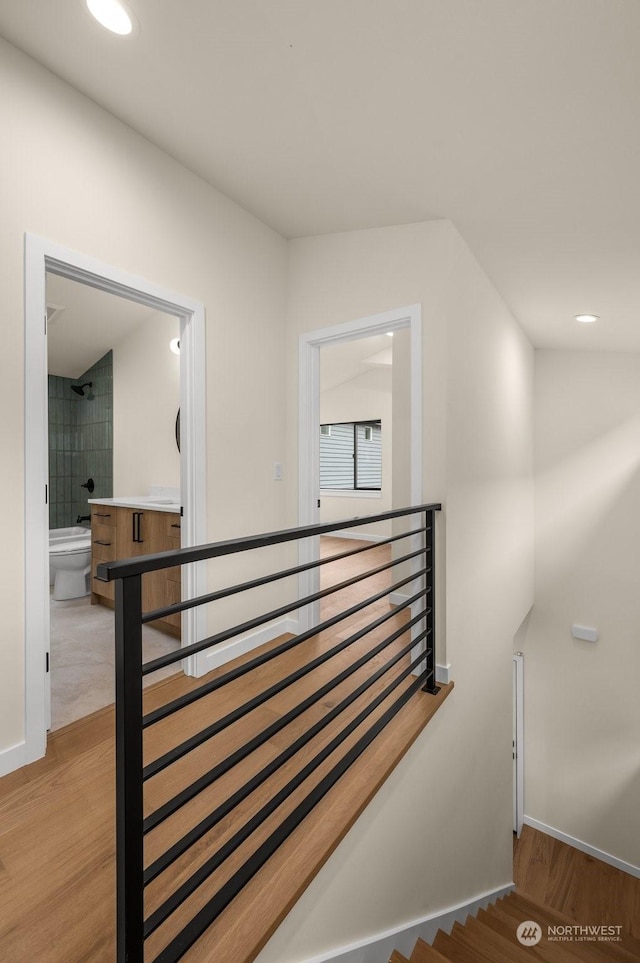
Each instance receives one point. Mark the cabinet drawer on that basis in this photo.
(173, 574)
(107, 589)
(103, 515)
(103, 542)
(172, 526)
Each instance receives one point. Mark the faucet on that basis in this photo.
(83, 518)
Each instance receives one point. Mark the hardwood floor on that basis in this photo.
(57, 849)
(57, 873)
(559, 891)
(57, 886)
(57, 868)
(575, 884)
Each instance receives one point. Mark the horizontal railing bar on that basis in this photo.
(108, 571)
(203, 872)
(168, 758)
(170, 707)
(307, 600)
(183, 845)
(183, 606)
(227, 634)
(190, 792)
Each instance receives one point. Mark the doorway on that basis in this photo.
(310, 345)
(113, 372)
(44, 257)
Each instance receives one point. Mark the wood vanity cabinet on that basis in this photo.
(103, 549)
(118, 533)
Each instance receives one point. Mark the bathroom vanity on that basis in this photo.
(126, 527)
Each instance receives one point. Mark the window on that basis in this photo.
(351, 456)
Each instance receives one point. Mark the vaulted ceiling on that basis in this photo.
(516, 119)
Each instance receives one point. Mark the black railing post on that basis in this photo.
(129, 791)
(430, 600)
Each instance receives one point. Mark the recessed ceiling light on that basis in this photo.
(112, 15)
(389, 334)
(586, 318)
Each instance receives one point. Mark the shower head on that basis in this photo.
(79, 389)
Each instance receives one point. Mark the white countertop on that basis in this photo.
(151, 503)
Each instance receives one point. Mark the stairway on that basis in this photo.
(490, 937)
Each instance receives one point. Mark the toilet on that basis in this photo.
(69, 562)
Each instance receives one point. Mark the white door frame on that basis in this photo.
(309, 418)
(43, 256)
(518, 742)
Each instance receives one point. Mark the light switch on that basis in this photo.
(277, 471)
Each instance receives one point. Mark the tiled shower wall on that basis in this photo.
(80, 442)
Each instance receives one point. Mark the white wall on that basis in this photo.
(146, 398)
(489, 498)
(582, 721)
(71, 173)
(439, 832)
(103, 190)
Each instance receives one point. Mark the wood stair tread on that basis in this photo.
(508, 922)
(593, 893)
(491, 946)
(423, 953)
(490, 937)
(454, 951)
(398, 958)
(518, 911)
(626, 951)
(506, 926)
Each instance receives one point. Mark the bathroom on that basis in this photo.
(111, 432)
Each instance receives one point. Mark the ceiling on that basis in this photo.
(85, 323)
(516, 119)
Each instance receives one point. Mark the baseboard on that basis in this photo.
(398, 598)
(15, 757)
(356, 535)
(584, 847)
(246, 643)
(403, 938)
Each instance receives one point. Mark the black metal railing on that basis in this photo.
(403, 632)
